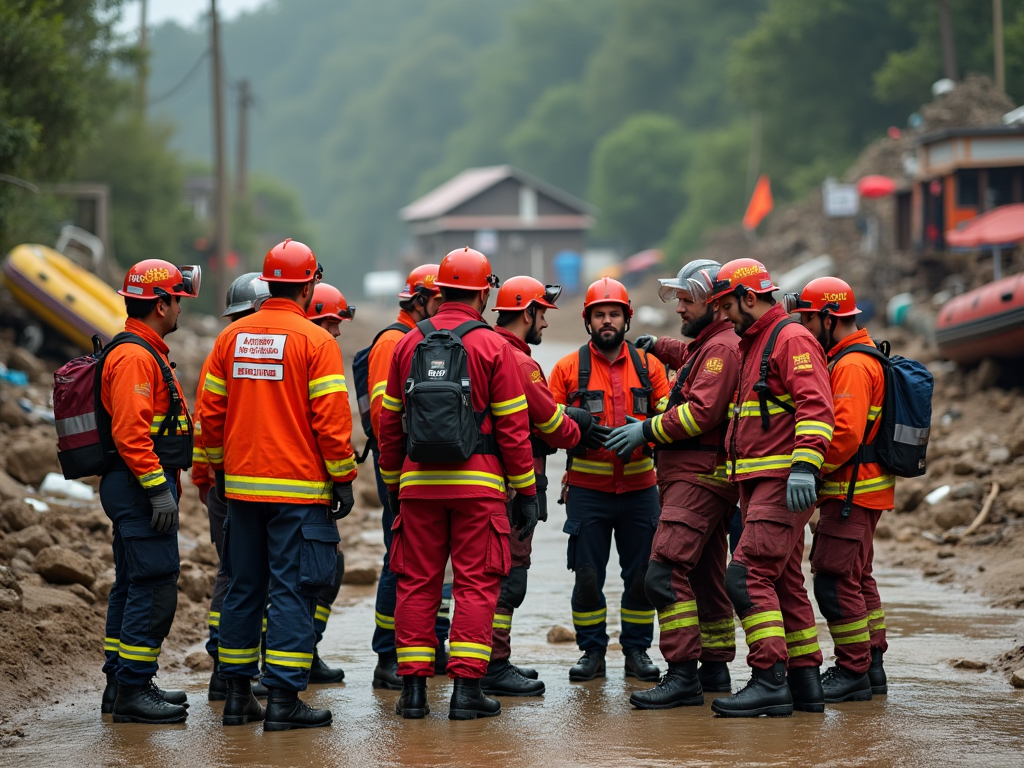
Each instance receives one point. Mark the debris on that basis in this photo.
(37, 505)
(55, 484)
(1017, 679)
(983, 515)
(938, 494)
(10, 590)
(59, 565)
(559, 634)
(974, 666)
(199, 661)
(194, 583)
(360, 572)
(34, 538)
(31, 455)
(16, 515)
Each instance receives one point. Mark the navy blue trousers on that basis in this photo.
(592, 519)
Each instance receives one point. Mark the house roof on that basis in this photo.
(475, 181)
(964, 132)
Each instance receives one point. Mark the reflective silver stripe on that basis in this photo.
(911, 435)
(76, 425)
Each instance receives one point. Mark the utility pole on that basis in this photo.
(223, 234)
(143, 58)
(997, 39)
(948, 47)
(244, 102)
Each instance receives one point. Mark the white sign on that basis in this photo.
(839, 199)
(268, 371)
(263, 346)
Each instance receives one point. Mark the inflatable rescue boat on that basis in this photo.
(985, 322)
(71, 300)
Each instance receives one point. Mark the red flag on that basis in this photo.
(760, 204)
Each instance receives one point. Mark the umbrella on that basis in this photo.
(638, 262)
(876, 186)
(1000, 226)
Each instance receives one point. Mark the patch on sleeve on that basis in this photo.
(803, 362)
(144, 389)
(714, 365)
(536, 377)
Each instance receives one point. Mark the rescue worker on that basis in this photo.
(277, 429)
(152, 432)
(521, 306)
(611, 494)
(328, 309)
(781, 426)
(843, 550)
(419, 301)
(245, 295)
(456, 509)
(686, 577)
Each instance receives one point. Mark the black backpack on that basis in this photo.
(440, 423)
(361, 375)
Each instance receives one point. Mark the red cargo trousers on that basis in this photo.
(475, 532)
(765, 581)
(513, 592)
(685, 580)
(846, 591)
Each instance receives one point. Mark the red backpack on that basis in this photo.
(85, 445)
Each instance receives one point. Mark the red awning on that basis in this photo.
(1000, 226)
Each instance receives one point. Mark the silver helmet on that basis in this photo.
(696, 277)
(246, 294)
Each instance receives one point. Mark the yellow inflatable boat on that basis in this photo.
(66, 297)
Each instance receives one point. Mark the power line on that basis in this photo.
(184, 81)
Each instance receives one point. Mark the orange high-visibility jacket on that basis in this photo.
(202, 475)
(275, 413)
(601, 470)
(797, 376)
(496, 389)
(379, 363)
(690, 436)
(548, 421)
(858, 392)
(133, 392)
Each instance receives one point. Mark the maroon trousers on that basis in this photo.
(846, 592)
(475, 533)
(765, 580)
(513, 591)
(686, 577)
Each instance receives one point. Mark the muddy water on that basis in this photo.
(934, 715)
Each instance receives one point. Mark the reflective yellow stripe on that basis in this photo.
(289, 659)
(803, 650)
(630, 616)
(508, 407)
(659, 431)
(841, 488)
(761, 634)
(502, 621)
(762, 463)
(677, 608)
(325, 385)
(390, 478)
(592, 467)
(323, 613)
(808, 455)
(750, 408)
(158, 421)
(452, 477)
(392, 403)
(152, 479)
(341, 467)
(111, 644)
(138, 652)
(412, 654)
(215, 454)
(760, 618)
(277, 487)
(874, 411)
(384, 622)
(469, 651)
(199, 456)
(589, 618)
(718, 634)
(215, 386)
(801, 634)
(638, 467)
(863, 637)
(238, 655)
(686, 621)
(686, 419)
(554, 422)
(876, 620)
(840, 628)
(213, 619)
(815, 428)
(661, 405)
(264, 625)
(524, 480)
(719, 478)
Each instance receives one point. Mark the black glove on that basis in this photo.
(344, 500)
(525, 514)
(598, 435)
(585, 421)
(542, 497)
(165, 511)
(393, 503)
(645, 343)
(218, 481)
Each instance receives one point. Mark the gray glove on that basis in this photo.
(626, 439)
(525, 514)
(344, 500)
(802, 487)
(165, 511)
(646, 343)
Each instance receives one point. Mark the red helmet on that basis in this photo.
(520, 292)
(466, 268)
(156, 278)
(328, 302)
(421, 280)
(607, 291)
(740, 276)
(291, 262)
(828, 295)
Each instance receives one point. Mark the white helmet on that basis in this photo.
(696, 277)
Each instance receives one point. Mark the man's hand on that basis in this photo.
(344, 500)
(626, 439)
(165, 511)
(646, 343)
(802, 488)
(525, 514)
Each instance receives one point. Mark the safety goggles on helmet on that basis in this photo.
(493, 281)
(191, 278)
(551, 293)
(791, 302)
(319, 274)
(349, 313)
(721, 287)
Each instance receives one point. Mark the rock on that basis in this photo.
(906, 534)
(11, 488)
(63, 566)
(964, 467)
(1014, 502)
(16, 515)
(909, 494)
(559, 634)
(971, 664)
(199, 661)
(20, 359)
(33, 538)
(953, 513)
(82, 592)
(988, 374)
(883, 532)
(972, 489)
(12, 414)
(10, 590)
(205, 553)
(103, 584)
(998, 455)
(42, 597)
(31, 455)
(1017, 679)
(945, 554)
(1017, 445)
(360, 572)
(194, 583)
(367, 495)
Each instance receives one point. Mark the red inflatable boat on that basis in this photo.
(985, 322)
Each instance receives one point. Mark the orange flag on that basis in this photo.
(760, 204)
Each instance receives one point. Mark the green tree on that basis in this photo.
(637, 179)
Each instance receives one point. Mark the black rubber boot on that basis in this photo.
(321, 674)
(218, 686)
(502, 679)
(766, 693)
(144, 704)
(639, 665)
(240, 706)
(805, 688)
(412, 704)
(285, 711)
(842, 684)
(440, 660)
(468, 701)
(714, 677)
(110, 694)
(385, 674)
(680, 687)
(876, 674)
(590, 665)
(527, 672)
